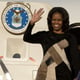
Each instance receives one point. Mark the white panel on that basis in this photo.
(11, 44)
(15, 46)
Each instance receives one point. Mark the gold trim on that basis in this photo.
(27, 5)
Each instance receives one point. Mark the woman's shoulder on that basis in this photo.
(71, 37)
(70, 34)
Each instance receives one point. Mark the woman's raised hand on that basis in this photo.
(37, 16)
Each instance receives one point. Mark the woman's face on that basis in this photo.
(57, 22)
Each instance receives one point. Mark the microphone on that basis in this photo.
(5, 70)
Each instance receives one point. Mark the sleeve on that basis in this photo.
(62, 72)
(75, 56)
(32, 38)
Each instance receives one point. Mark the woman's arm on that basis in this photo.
(33, 38)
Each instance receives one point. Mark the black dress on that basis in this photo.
(47, 39)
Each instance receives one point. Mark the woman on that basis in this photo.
(58, 24)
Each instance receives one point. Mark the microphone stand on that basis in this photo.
(5, 70)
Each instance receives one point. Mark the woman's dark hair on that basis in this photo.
(65, 17)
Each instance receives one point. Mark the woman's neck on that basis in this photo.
(58, 32)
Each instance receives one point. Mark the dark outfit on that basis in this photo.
(47, 39)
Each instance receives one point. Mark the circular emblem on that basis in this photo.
(16, 17)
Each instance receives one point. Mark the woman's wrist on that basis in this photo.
(32, 22)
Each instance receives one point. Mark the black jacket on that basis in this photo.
(47, 39)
